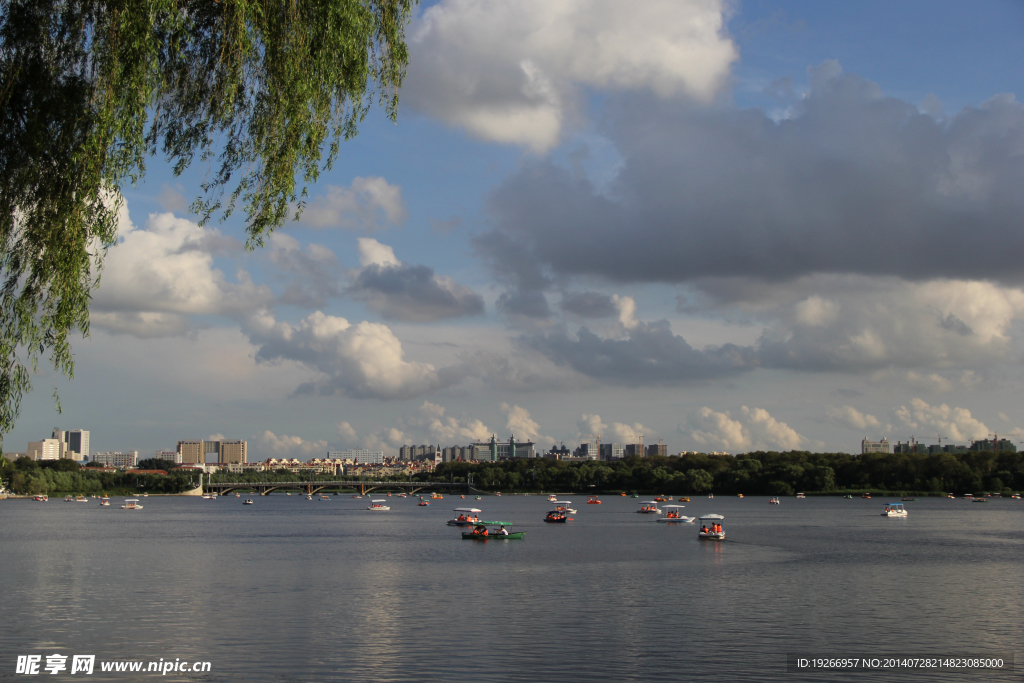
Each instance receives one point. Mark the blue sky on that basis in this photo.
(728, 226)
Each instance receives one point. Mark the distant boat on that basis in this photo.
(649, 507)
(672, 515)
(378, 505)
(800, 495)
(247, 501)
(482, 533)
(894, 510)
(131, 504)
(774, 501)
(593, 500)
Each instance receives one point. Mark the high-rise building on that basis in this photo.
(226, 451)
(494, 450)
(47, 449)
(364, 456)
(874, 446)
(611, 451)
(77, 444)
(170, 456)
(120, 460)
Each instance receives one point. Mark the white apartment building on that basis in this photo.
(119, 460)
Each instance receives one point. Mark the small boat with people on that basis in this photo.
(800, 495)
(41, 498)
(908, 500)
(556, 517)
(467, 517)
(552, 498)
(247, 501)
(672, 515)
(649, 507)
(324, 497)
(774, 501)
(894, 510)
(104, 502)
(684, 499)
(131, 504)
(436, 496)
(711, 528)
(423, 502)
(209, 496)
(563, 505)
(482, 532)
(593, 500)
(865, 495)
(378, 505)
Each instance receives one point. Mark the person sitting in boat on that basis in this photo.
(502, 531)
(462, 518)
(704, 529)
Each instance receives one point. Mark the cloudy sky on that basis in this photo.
(759, 224)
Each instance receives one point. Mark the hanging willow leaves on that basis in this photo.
(261, 91)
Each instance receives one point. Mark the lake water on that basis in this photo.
(296, 590)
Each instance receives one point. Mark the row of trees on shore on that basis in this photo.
(758, 473)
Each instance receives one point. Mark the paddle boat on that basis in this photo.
(950, 495)
(436, 496)
(1016, 495)
(848, 496)
(423, 502)
(563, 505)
(42, 498)
(684, 499)
(739, 495)
(593, 500)
(131, 504)
(623, 494)
(908, 500)
(309, 496)
(247, 501)
(980, 500)
(865, 495)
(649, 507)
(479, 498)
(378, 505)
(69, 499)
(800, 495)
(711, 528)
(238, 495)
(968, 496)
(467, 517)
(557, 517)
(553, 497)
(661, 499)
(774, 501)
(481, 532)
(104, 502)
(672, 515)
(209, 496)
(324, 497)
(894, 510)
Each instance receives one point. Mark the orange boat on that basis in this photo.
(593, 501)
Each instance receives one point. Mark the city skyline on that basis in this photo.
(790, 227)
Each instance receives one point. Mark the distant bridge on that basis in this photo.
(364, 487)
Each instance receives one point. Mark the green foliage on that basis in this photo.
(761, 473)
(261, 90)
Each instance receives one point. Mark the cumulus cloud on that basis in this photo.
(851, 182)
(591, 426)
(752, 429)
(955, 424)
(155, 279)
(362, 360)
(366, 204)
(312, 271)
(848, 416)
(519, 422)
(649, 353)
(512, 71)
(410, 293)
(269, 445)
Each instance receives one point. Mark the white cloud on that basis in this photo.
(955, 424)
(368, 203)
(753, 429)
(269, 445)
(364, 360)
(933, 382)
(849, 416)
(519, 422)
(511, 71)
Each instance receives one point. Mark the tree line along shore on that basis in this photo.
(766, 473)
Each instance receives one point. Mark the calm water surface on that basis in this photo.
(295, 590)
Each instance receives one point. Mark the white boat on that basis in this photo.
(649, 507)
(209, 496)
(563, 506)
(105, 502)
(131, 504)
(378, 505)
(552, 498)
(309, 496)
(467, 517)
(247, 501)
(774, 501)
(894, 510)
(800, 495)
(673, 515)
(42, 498)
(711, 528)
